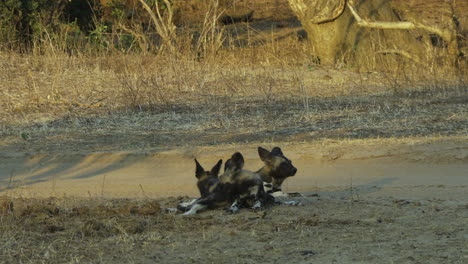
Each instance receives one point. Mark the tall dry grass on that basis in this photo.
(222, 70)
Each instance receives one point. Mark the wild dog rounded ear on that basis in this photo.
(264, 154)
(237, 160)
(199, 171)
(277, 151)
(216, 168)
(227, 165)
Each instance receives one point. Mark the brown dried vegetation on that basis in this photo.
(260, 85)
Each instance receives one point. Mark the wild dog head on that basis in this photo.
(207, 179)
(233, 166)
(277, 167)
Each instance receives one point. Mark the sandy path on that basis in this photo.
(435, 171)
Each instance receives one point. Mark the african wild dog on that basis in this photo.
(233, 187)
(207, 179)
(206, 182)
(276, 169)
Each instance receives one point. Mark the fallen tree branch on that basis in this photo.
(445, 34)
(401, 53)
(450, 35)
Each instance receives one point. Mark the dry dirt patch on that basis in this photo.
(323, 230)
(419, 215)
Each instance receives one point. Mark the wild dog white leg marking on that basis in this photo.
(171, 210)
(187, 204)
(257, 205)
(280, 194)
(293, 203)
(195, 208)
(234, 208)
(254, 192)
(267, 186)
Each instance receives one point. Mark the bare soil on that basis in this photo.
(323, 230)
(364, 201)
(326, 229)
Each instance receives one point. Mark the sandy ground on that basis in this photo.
(371, 169)
(363, 202)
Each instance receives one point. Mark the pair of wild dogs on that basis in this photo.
(238, 187)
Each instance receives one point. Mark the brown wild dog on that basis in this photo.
(206, 182)
(276, 169)
(232, 188)
(207, 179)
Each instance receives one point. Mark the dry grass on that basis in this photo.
(66, 230)
(153, 101)
(260, 81)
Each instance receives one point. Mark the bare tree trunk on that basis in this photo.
(328, 47)
(342, 29)
(325, 25)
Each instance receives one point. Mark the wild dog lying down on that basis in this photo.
(276, 169)
(206, 182)
(234, 187)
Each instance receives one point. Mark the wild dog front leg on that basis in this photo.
(268, 186)
(184, 206)
(258, 192)
(257, 205)
(293, 203)
(187, 204)
(234, 208)
(195, 208)
(172, 210)
(200, 204)
(246, 198)
(276, 190)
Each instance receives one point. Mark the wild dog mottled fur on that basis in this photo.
(206, 182)
(232, 188)
(249, 189)
(276, 169)
(207, 179)
(242, 187)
